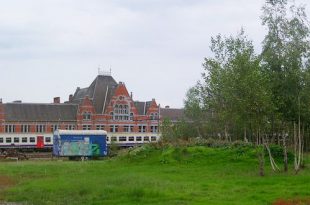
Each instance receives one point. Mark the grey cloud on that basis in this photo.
(155, 46)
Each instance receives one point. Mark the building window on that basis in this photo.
(16, 140)
(1, 139)
(86, 116)
(86, 127)
(138, 139)
(32, 139)
(54, 128)
(70, 127)
(8, 140)
(126, 128)
(48, 139)
(142, 128)
(113, 128)
(99, 127)
(40, 128)
(25, 128)
(24, 139)
(154, 116)
(121, 112)
(153, 139)
(154, 129)
(10, 128)
(131, 139)
(122, 139)
(146, 138)
(113, 139)
(107, 139)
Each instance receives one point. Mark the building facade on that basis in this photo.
(104, 105)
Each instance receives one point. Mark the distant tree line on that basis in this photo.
(261, 98)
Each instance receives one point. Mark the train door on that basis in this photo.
(40, 142)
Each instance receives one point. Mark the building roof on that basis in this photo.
(99, 92)
(174, 114)
(40, 112)
(142, 107)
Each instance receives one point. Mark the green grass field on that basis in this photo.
(194, 175)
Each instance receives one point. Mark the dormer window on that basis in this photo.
(86, 116)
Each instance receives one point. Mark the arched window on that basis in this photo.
(121, 112)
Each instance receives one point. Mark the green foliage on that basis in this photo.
(247, 95)
(285, 49)
(174, 132)
(113, 149)
(277, 153)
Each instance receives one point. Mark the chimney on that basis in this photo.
(70, 98)
(56, 100)
(1, 100)
(131, 95)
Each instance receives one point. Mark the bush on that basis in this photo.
(278, 154)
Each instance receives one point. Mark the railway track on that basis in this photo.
(15, 155)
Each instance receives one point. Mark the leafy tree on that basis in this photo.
(285, 51)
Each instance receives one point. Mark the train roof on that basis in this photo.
(80, 132)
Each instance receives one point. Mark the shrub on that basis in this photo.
(278, 154)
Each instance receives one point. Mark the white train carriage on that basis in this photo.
(45, 140)
(132, 139)
(13, 140)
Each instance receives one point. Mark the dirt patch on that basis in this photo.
(5, 181)
(292, 202)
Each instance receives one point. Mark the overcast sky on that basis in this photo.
(157, 47)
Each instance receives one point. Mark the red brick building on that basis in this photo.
(104, 105)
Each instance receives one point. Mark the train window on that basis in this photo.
(146, 138)
(24, 139)
(139, 139)
(48, 139)
(122, 139)
(32, 139)
(131, 139)
(16, 140)
(1, 140)
(8, 140)
(113, 139)
(153, 138)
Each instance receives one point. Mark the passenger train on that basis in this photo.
(45, 140)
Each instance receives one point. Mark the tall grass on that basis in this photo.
(150, 175)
